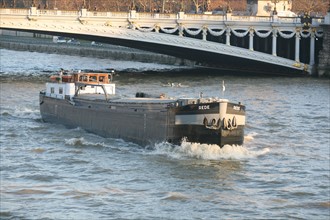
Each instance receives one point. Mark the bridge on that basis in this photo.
(267, 44)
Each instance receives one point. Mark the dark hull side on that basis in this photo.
(143, 124)
(199, 134)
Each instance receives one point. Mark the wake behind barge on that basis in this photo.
(88, 100)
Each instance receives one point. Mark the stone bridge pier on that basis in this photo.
(323, 67)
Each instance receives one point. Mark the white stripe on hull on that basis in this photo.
(196, 119)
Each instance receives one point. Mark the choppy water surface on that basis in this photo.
(51, 172)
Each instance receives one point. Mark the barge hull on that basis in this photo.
(137, 122)
(129, 123)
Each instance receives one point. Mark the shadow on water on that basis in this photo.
(129, 74)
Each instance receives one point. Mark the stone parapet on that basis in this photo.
(323, 68)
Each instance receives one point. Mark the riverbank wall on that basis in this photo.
(22, 41)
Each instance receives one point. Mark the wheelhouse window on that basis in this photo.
(52, 90)
(60, 90)
(93, 78)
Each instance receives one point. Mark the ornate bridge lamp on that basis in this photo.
(275, 2)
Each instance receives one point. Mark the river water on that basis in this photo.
(50, 172)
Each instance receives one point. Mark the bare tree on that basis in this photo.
(197, 5)
(26, 3)
(219, 5)
(310, 6)
(144, 5)
(237, 5)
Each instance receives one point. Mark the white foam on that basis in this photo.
(21, 112)
(250, 136)
(207, 151)
(82, 142)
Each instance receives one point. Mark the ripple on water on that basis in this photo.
(30, 192)
(38, 150)
(42, 177)
(176, 196)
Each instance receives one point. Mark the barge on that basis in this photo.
(88, 100)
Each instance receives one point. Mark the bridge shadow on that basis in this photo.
(213, 61)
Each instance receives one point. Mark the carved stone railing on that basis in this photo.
(33, 11)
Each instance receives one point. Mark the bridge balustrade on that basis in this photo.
(18, 11)
(69, 13)
(144, 15)
(98, 14)
(204, 17)
(147, 15)
(119, 14)
(48, 12)
(252, 18)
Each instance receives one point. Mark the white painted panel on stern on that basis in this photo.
(194, 119)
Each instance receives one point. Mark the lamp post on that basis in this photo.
(275, 2)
